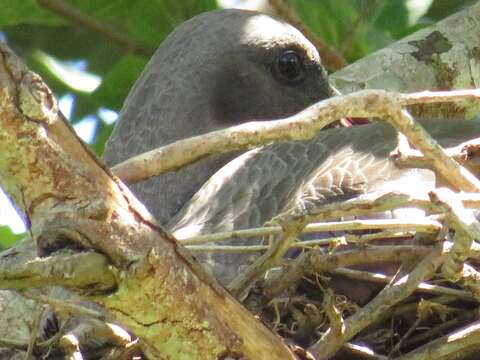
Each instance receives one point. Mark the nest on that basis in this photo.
(375, 289)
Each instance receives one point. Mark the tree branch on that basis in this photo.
(72, 201)
(393, 294)
(304, 126)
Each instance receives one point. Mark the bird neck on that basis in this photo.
(169, 102)
(165, 195)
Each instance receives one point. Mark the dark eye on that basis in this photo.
(289, 67)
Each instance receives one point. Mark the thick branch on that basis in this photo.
(82, 270)
(71, 200)
(303, 126)
(443, 56)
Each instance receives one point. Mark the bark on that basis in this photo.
(71, 201)
(444, 56)
(144, 280)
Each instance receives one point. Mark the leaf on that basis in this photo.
(150, 21)
(14, 12)
(101, 137)
(393, 17)
(442, 8)
(7, 237)
(117, 82)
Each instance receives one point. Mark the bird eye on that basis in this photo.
(289, 68)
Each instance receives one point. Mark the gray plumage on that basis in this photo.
(336, 165)
(213, 71)
(217, 70)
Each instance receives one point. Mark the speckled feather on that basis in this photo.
(337, 164)
(215, 71)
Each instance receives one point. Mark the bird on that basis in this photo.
(227, 67)
(218, 69)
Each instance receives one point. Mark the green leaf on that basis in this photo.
(102, 9)
(14, 12)
(151, 21)
(393, 17)
(118, 81)
(101, 137)
(7, 237)
(442, 8)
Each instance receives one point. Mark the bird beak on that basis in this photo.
(348, 121)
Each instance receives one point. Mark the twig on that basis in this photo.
(405, 336)
(71, 346)
(84, 269)
(74, 15)
(130, 351)
(64, 306)
(271, 258)
(303, 126)
(354, 239)
(370, 204)
(363, 352)
(349, 238)
(360, 206)
(13, 344)
(379, 306)
(34, 329)
(293, 272)
(449, 345)
(432, 97)
(332, 58)
(316, 261)
(466, 227)
(422, 287)
(226, 248)
(463, 153)
(460, 319)
(419, 225)
(334, 315)
(408, 308)
(456, 175)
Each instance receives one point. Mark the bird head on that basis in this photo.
(216, 70)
